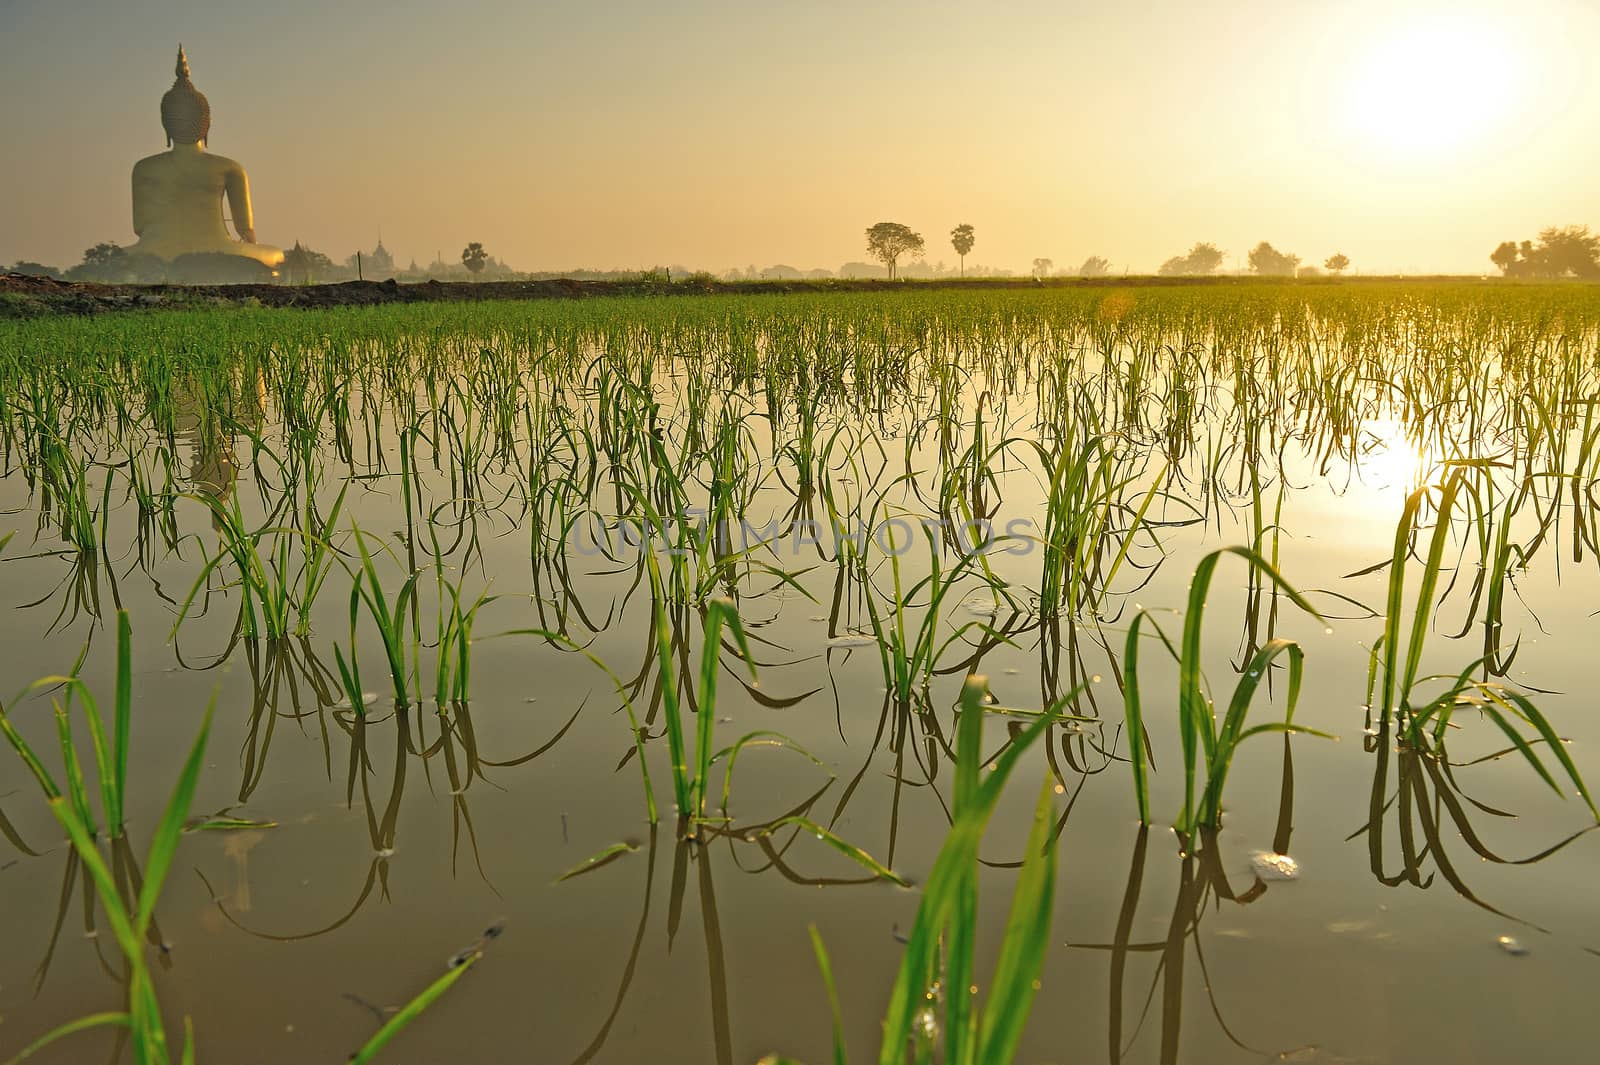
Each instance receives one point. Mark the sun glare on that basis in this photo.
(1432, 87)
(1393, 460)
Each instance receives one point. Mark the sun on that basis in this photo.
(1434, 86)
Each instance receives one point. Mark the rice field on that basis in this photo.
(1143, 674)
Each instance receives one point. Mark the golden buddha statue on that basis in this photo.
(177, 195)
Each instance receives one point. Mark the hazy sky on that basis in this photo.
(1410, 135)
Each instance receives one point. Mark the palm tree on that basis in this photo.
(961, 239)
(473, 257)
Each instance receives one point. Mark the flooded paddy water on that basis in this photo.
(447, 576)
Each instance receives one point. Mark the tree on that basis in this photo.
(108, 262)
(473, 257)
(961, 239)
(33, 269)
(1505, 256)
(1568, 251)
(1095, 266)
(1270, 262)
(861, 270)
(1201, 260)
(1042, 267)
(887, 241)
(1562, 251)
(104, 254)
(1337, 263)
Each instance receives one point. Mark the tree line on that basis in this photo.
(1205, 259)
(889, 242)
(110, 263)
(1562, 251)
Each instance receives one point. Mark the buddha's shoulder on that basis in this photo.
(151, 164)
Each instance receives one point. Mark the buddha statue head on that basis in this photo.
(185, 112)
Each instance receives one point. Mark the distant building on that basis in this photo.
(379, 263)
(374, 265)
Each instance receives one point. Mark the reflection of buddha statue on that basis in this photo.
(205, 420)
(177, 195)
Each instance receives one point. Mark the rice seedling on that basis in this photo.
(1208, 746)
(130, 908)
(910, 644)
(390, 619)
(930, 994)
(1129, 425)
(1393, 682)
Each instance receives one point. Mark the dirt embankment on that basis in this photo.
(24, 297)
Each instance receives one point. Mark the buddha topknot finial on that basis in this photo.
(185, 112)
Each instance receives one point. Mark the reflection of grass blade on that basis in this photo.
(762, 737)
(559, 640)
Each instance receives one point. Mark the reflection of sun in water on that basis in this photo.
(1389, 459)
(1433, 85)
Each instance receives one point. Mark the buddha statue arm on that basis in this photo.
(238, 190)
(141, 207)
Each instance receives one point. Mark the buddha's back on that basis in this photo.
(177, 202)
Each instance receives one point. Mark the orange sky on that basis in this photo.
(1412, 136)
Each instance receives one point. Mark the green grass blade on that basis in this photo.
(47, 783)
(1027, 937)
(595, 861)
(1430, 582)
(826, 968)
(121, 721)
(82, 1024)
(165, 842)
(969, 745)
(671, 709)
(412, 1010)
(1133, 708)
(849, 850)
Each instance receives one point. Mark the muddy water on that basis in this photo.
(293, 943)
